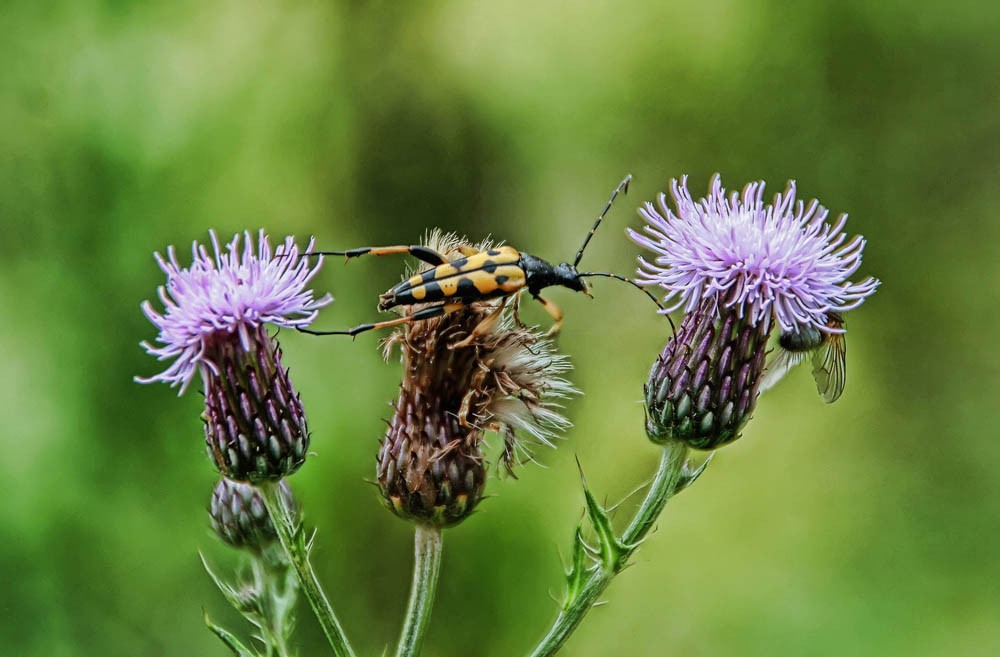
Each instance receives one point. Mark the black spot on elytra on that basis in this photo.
(501, 279)
(433, 292)
(493, 252)
(489, 266)
(467, 289)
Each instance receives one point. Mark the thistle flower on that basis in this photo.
(508, 379)
(214, 323)
(239, 516)
(781, 260)
(738, 267)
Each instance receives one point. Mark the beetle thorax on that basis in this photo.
(541, 274)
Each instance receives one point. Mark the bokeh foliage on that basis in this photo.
(869, 527)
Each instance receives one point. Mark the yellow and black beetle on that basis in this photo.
(497, 272)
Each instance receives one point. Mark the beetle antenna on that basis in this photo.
(631, 282)
(621, 188)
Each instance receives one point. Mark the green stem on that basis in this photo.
(278, 589)
(664, 484)
(292, 541)
(426, 565)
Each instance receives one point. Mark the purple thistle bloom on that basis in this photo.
(216, 311)
(739, 268)
(232, 291)
(780, 260)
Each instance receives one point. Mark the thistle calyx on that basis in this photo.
(255, 425)
(704, 385)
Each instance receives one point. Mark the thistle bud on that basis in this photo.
(704, 385)
(239, 516)
(457, 384)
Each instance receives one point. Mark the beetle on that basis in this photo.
(497, 272)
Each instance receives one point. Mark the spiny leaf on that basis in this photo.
(612, 552)
(635, 491)
(575, 576)
(222, 584)
(311, 542)
(241, 602)
(690, 475)
(229, 639)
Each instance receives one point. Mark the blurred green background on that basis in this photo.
(870, 527)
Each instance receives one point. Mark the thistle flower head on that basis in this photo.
(214, 322)
(780, 260)
(229, 291)
(507, 379)
(739, 268)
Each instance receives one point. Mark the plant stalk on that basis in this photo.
(662, 488)
(426, 566)
(290, 534)
(279, 590)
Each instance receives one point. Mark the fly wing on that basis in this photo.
(778, 364)
(830, 367)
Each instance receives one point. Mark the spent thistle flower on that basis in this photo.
(738, 267)
(214, 318)
(458, 383)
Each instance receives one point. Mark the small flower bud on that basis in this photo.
(704, 385)
(255, 426)
(239, 516)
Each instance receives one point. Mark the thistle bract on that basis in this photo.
(214, 322)
(255, 425)
(704, 384)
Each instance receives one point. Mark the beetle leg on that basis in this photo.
(518, 322)
(424, 313)
(463, 410)
(483, 327)
(430, 256)
(515, 308)
(554, 311)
